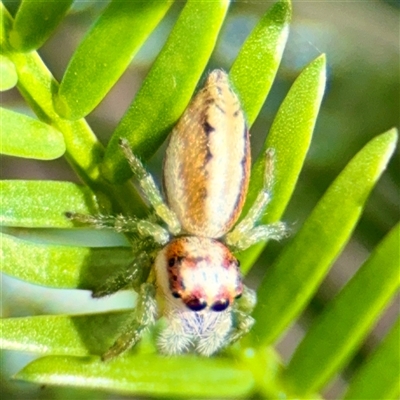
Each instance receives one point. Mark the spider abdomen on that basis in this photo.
(207, 163)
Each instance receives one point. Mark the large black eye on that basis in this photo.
(171, 262)
(196, 304)
(220, 305)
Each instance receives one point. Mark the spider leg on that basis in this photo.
(246, 233)
(144, 317)
(121, 223)
(242, 320)
(134, 275)
(150, 189)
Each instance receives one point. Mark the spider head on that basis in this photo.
(199, 272)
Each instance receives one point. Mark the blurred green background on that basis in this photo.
(362, 99)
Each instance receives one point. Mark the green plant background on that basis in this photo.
(361, 100)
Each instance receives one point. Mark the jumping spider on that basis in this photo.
(187, 261)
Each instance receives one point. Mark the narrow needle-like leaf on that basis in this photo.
(338, 332)
(60, 266)
(378, 376)
(35, 22)
(147, 374)
(22, 136)
(292, 280)
(254, 69)
(79, 335)
(38, 204)
(8, 74)
(290, 137)
(105, 53)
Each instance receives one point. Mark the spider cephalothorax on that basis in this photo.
(201, 272)
(190, 265)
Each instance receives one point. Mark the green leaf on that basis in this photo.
(80, 335)
(290, 137)
(254, 69)
(35, 22)
(83, 150)
(38, 204)
(300, 268)
(36, 84)
(145, 375)
(105, 53)
(26, 137)
(168, 87)
(378, 377)
(8, 74)
(60, 266)
(5, 25)
(338, 332)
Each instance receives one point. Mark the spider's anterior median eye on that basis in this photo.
(171, 262)
(220, 305)
(196, 304)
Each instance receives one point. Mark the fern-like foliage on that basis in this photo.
(69, 345)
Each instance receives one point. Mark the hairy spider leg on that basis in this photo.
(145, 316)
(242, 320)
(150, 189)
(134, 275)
(122, 223)
(246, 233)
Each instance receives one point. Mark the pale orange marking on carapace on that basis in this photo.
(207, 163)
